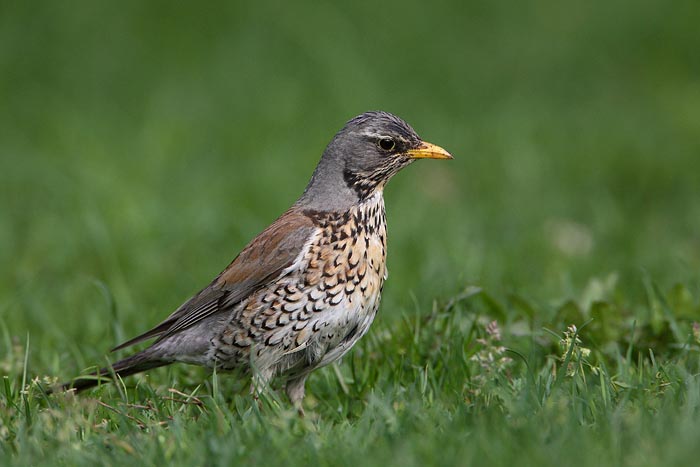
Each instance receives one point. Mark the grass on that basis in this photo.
(132, 144)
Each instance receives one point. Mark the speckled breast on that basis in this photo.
(322, 304)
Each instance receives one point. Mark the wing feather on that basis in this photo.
(260, 262)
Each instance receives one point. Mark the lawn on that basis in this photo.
(543, 300)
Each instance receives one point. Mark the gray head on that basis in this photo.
(362, 157)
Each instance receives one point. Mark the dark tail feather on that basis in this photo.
(137, 363)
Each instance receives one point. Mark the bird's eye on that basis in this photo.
(387, 144)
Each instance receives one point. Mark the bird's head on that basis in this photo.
(364, 155)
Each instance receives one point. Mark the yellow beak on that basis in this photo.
(428, 151)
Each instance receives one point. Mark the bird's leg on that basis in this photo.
(295, 391)
(260, 382)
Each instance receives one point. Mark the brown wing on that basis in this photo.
(262, 261)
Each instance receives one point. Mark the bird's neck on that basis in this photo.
(367, 217)
(330, 189)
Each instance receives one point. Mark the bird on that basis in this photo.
(307, 288)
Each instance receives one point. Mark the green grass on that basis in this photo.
(133, 142)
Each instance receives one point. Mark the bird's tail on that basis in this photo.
(136, 363)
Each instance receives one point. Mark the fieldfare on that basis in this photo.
(301, 293)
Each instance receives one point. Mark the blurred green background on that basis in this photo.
(142, 144)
